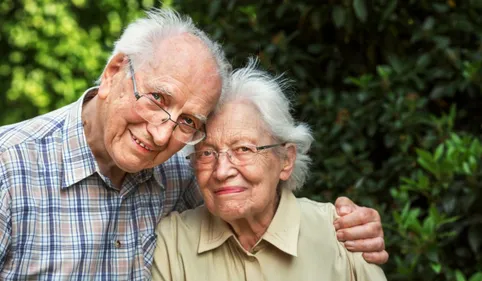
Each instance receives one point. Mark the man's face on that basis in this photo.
(183, 78)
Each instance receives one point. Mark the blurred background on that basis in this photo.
(392, 90)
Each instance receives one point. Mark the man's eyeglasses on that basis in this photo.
(240, 155)
(149, 108)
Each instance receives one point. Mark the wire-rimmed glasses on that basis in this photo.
(148, 107)
(239, 155)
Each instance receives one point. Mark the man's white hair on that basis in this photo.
(140, 40)
(267, 94)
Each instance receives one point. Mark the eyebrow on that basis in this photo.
(201, 118)
(159, 87)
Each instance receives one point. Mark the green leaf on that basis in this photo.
(424, 154)
(390, 8)
(214, 8)
(339, 16)
(428, 226)
(360, 10)
(438, 152)
(436, 267)
(459, 276)
(476, 277)
(475, 239)
(466, 168)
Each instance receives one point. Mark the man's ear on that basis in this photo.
(115, 65)
(288, 161)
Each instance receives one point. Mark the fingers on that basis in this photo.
(376, 257)
(376, 244)
(366, 231)
(360, 216)
(344, 206)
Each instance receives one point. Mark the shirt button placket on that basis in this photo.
(253, 271)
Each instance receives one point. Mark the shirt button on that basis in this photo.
(117, 244)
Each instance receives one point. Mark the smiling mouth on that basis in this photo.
(141, 144)
(229, 190)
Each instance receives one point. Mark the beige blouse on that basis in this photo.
(300, 244)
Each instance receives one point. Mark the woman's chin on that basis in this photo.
(231, 213)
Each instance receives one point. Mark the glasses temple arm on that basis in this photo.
(131, 69)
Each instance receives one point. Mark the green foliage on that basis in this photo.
(55, 50)
(392, 90)
(446, 181)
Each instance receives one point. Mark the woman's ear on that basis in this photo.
(115, 65)
(288, 161)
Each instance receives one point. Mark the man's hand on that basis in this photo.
(361, 230)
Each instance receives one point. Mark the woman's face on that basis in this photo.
(240, 191)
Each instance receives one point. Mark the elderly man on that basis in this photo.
(83, 187)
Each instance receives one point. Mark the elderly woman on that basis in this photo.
(252, 227)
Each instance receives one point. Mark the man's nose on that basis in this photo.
(162, 133)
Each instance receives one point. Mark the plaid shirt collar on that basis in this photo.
(78, 160)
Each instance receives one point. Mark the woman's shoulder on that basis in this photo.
(176, 222)
(317, 210)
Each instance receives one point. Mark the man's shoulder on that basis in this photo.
(32, 130)
(176, 167)
(178, 160)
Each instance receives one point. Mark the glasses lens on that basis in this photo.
(244, 154)
(154, 114)
(202, 159)
(150, 111)
(191, 137)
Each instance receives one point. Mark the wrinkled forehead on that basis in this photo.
(235, 122)
(186, 58)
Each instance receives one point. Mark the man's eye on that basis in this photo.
(158, 97)
(189, 121)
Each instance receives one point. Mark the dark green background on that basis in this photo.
(392, 90)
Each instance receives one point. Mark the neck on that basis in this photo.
(249, 230)
(94, 133)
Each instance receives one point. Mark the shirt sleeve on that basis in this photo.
(190, 198)
(363, 270)
(359, 269)
(5, 223)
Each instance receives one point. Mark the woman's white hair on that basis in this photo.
(140, 40)
(267, 94)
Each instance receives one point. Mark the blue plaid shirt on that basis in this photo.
(60, 219)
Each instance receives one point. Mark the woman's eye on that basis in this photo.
(243, 149)
(206, 153)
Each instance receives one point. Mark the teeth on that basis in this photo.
(140, 143)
